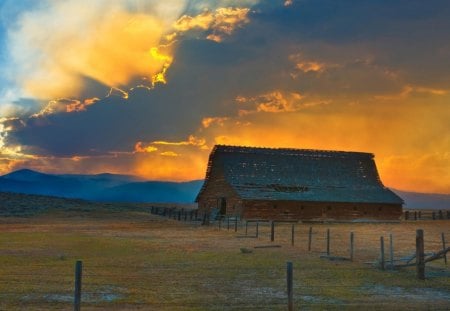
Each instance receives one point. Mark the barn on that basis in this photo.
(295, 184)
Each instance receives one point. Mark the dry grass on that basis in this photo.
(137, 261)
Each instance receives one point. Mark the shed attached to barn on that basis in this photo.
(295, 184)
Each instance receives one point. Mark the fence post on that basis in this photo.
(420, 214)
(406, 215)
(235, 223)
(77, 296)
(391, 251)
(441, 216)
(292, 234)
(433, 215)
(351, 246)
(328, 242)
(415, 215)
(443, 246)
(382, 253)
(309, 239)
(272, 231)
(257, 229)
(420, 256)
(290, 294)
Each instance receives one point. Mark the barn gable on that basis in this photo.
(299, 175)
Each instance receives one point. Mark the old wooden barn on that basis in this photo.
(295, 184)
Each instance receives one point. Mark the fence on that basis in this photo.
(426, 215)
(256, 282)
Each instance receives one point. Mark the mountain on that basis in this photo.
(417, 200)
(100, 187)
(153, 191)
(127, 188)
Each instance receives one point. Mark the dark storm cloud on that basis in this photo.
(365, 48)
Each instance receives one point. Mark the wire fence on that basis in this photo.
(257, 282)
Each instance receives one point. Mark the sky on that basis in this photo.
(149, 87)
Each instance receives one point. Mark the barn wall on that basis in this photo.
(217, 188)
(294, 210)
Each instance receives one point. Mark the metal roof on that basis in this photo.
(300, 175)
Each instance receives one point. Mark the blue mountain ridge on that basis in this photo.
(100, 187)
(108, 187)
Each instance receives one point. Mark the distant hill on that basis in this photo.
(100, 187)
(127, 188)
(25, 205)
(416, 200)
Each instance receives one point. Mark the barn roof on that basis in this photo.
(300, 175)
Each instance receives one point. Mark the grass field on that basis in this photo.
(137, 261)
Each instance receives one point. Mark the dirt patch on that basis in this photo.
(411, 294)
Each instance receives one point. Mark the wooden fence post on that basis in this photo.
(272, 231)
(391, 251)
(351, 246)
(420, 255)
(328, 242)
(235, 223)
(441, 216)
(77, 296)
(433, 215)
(382, 253)
(292, 234)
(420, 214)
(415, 215)
(257, 229)
(289, 278)
(309, 239)
(443, 246)
(406, 215)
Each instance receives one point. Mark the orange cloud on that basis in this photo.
(274, 102)
(139, 147)
(222, 21)
(107, 43)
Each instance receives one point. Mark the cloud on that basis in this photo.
(54, 47)
(217, 24)
(308, 74)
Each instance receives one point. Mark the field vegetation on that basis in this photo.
(133, 260)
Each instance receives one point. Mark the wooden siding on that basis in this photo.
(216, 189)
(294, 210)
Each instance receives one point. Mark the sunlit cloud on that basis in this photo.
(219, 23)
(54, 47)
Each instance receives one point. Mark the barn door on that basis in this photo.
(223, 206)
